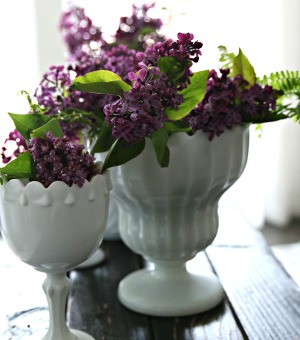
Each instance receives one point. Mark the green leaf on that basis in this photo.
(102, 81)
(26, 123)
(192, 95)
(242, 66)
(122, 152)
(105, 139)
(146, 30)
(177, 126)
(159, 140)
(226, 58)
(20, 167)
(52, 126)
(172, 67)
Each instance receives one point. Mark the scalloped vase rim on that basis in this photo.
(19, 182)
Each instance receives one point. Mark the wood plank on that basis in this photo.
(217, 323)
(265, 299)
(93, 305)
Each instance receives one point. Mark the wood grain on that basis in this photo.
(94, 307)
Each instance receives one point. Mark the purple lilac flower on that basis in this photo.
(139, 30)
(120, 59)
(184, 49)
(54, 91)
(19, 142)
(57, 159)
(51, 91)
(79, 34)
(229, 102)
(88, 52)
(54, 94)
(141, 111)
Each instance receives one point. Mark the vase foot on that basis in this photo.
(74, 334)
(97, 258)
(150, 293)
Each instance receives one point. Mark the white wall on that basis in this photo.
(30, 43)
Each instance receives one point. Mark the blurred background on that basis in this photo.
(267, 32)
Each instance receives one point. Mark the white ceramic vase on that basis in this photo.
(53, 230)
(112, 227)
(170, 214)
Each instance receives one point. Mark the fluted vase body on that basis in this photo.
(168, 215)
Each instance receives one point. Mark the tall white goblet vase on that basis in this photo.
(53, 230)
(170, 214)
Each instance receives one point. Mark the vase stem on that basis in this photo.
(169, 267)
(56, 287)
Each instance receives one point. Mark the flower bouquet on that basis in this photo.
(98, 109)
(166, 97)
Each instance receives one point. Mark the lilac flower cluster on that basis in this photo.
(142, 110)
(119, 59)
(139, 30)
(229, 102)
(83, 39)
(54, 93)
(51, 90)
(20, 146)
(87, 52)
(57, 159)
(80, 36)
(184, 49)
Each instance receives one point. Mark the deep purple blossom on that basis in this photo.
(141, 111)
(89, 52)
(55, 95)
(184, 49)
(57, 159)
(229, 102)
(139, 30)
(119, 59)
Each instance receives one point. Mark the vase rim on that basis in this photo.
(25, 182)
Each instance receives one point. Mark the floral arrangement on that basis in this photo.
(82, 113)
(49, 155)
(167, 97)
(142, 86)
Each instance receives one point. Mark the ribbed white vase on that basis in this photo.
(168, 215)
(53, 230)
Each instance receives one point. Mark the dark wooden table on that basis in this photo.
(262, 300)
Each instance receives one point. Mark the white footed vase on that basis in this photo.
(53, 230)
(168, 215)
